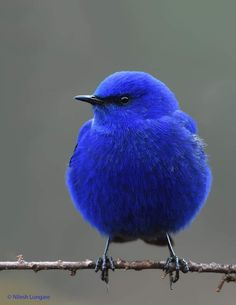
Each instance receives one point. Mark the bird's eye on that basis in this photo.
(124, 100)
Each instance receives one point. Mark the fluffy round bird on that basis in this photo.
(138, 170)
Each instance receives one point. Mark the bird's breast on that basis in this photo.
(138, 179)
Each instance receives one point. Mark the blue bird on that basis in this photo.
(139, 170)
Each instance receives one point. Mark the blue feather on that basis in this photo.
(138, 169)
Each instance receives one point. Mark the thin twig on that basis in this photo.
(21, 264)
(228, 270)
(226, 279)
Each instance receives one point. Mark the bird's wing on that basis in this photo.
(186, 120)
(84, 129)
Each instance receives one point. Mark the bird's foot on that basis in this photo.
(173, 266)
(103, 264)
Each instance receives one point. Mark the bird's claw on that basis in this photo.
(174, 263)
(103, 264)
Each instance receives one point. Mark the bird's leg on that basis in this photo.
(173, 259)
(105, 263)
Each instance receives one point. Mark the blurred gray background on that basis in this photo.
(52, 50)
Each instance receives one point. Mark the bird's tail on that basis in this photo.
(159, 240)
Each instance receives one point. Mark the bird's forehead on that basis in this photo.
(122, 82)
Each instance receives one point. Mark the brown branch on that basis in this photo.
(226, 279)
(228, 270)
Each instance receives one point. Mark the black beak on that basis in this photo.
(92, 99)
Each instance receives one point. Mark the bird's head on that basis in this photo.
(130, 95)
